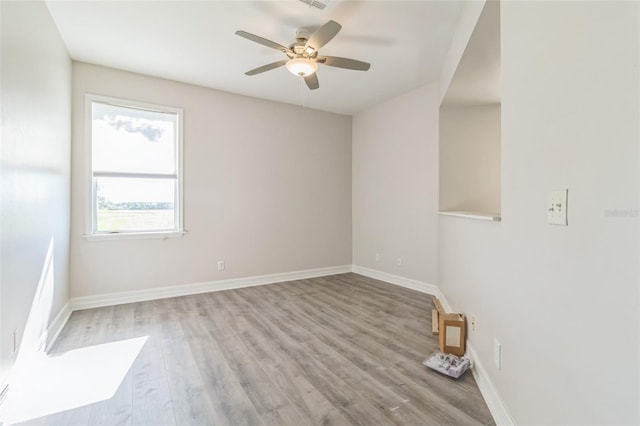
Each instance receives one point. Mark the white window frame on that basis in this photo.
(91, 197)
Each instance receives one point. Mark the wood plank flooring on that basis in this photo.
(338, 350)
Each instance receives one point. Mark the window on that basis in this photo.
(136, 174)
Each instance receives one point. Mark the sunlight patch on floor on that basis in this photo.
(46, 384)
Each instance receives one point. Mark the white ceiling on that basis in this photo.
(194, 42)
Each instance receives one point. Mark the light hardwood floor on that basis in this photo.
(341, 350)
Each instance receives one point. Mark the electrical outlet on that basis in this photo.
(497, 354)
(220, 265)
(557, 207)
(377, 257)
(399, 261)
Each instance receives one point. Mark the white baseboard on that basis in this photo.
(397, 280)
(496, 406)
(444, 302)
(79, 303)
(44, 342)
(4, 391)
(50, 335)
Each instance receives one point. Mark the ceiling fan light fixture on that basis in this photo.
(301, 66)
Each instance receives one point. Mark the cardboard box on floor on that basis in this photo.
(452, 334)
(451, 329)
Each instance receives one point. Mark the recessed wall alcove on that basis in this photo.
(470, 126)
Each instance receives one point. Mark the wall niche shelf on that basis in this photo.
(470, 126)
(492, 217)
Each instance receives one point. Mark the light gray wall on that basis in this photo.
(395, 185)
(470, 158)
(267, 189)
(469, 15)
(36, 135)
(561, 300)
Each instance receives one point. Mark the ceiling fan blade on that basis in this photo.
(267, 67)
(312, 81)
(347, 63)
(323, 35)
(263, 41)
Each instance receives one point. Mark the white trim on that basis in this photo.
(445, 303)
(4, 391)
(87, 302)
(90, 193)
(135, 175)
(496, 405)
(491, 396)
(45, 342)
(134, 235)
(397, 280)
(50, 335)
(472, 215)
(89, 215)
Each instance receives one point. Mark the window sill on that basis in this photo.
(472, 215)
(135, 236)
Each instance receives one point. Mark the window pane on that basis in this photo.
(133, 140)
(134, 204)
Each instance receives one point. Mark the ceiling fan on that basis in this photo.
(303, 58)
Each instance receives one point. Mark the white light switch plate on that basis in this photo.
(557, 207)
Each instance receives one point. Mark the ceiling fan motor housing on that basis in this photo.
(302, 35)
